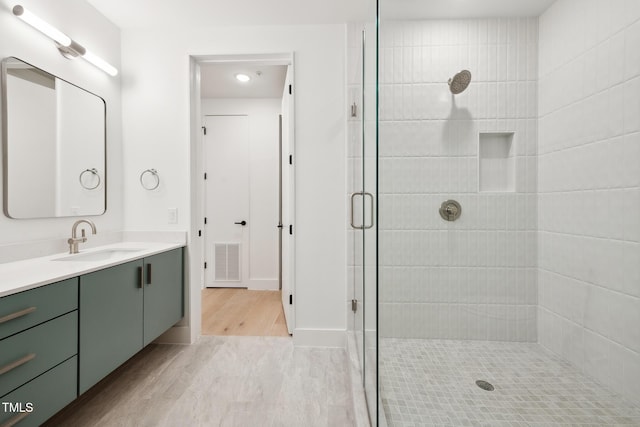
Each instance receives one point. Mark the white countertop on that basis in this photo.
(20, 276)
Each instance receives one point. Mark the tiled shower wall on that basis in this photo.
(474, 278)
(589, 195)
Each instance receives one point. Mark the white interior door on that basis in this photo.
(226, 150)
(288, 190)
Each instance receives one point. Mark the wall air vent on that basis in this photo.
(227, 262)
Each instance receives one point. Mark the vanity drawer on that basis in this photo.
(29, 308)
(47, 394)
(30, 353)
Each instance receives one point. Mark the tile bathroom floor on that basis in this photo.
(221, 381)
(432, 383)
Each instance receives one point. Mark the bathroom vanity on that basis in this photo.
(67, 321)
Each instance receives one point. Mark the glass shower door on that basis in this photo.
(369, 235)
(362, 199)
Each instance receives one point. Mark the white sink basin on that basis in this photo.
(101, 255)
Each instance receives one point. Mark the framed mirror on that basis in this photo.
(54, 145)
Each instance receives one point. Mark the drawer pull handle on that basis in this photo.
(148, 274)
(17, 314)
(15, 364)
(15, 420)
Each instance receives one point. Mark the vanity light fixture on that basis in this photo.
(67, 47)
(242, 77)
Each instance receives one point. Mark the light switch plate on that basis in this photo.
(173, 215)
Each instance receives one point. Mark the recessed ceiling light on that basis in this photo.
(243, 77)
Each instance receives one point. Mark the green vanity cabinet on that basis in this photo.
(38, 352)
(46, 395)
(163, 299)
(124, 308)
(110, 320)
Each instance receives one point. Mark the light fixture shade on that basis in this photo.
(67, 47)
(42, 26)
(100, 63)
(242, 77)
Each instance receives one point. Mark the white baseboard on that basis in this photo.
(332, 338)
(264, 284)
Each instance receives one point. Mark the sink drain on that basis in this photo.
(485, 385)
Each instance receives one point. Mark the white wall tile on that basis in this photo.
(428, 148)
(589, 151)
(631, 105)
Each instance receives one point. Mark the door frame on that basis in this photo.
(195, 274)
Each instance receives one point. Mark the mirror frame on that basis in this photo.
(5, 140)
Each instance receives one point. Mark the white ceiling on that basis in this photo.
(218, 81)
(440, 9)
(193, 13)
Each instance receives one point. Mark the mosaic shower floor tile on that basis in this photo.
(433, 383)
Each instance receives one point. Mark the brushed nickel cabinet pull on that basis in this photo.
(15, 420)
(17, 314)
(13, 365)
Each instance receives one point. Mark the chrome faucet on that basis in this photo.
(73, 241)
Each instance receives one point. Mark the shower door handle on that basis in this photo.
(364, 226)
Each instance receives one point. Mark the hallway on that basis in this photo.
(242, 312)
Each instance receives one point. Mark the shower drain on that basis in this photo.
(485, 385)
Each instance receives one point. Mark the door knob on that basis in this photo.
(242, 223)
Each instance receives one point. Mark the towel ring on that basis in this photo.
(156, 177)
(95, 173)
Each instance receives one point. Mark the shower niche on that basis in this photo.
(496, 162)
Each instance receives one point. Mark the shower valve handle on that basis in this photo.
(242, 223)
(450, 210)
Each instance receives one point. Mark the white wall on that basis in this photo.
(474, 278)
(85, 25)
(263, 182)
(589, 195)
(156, 108)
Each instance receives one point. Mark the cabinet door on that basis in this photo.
(163, 296)
(110, 320)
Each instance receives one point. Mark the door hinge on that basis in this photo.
(354, 305)
(205, 220)
(199, 233)
(205, 175)
(205, 265)
(290, 159)
(290, 90)
(204, 129)
(291, 229)
(290, 299)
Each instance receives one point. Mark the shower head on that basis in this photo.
(459, 82)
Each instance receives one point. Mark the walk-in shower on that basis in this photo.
(522, 310)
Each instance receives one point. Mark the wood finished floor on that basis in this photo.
(241, 312)
(220, 381)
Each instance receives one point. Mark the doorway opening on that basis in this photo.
(245, 196)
